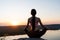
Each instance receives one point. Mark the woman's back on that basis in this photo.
(36, 23)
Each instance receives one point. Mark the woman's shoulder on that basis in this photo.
(29, 18)
(37, 17)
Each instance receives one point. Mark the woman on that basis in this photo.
(34, 21)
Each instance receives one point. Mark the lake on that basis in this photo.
(50, 35)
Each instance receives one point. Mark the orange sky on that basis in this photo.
(14, 12)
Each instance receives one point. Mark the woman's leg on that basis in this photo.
(43, 32)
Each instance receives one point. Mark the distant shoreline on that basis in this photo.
(7, 30)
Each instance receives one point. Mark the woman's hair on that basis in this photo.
(33, 12)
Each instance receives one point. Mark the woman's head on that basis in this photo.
(33, 12)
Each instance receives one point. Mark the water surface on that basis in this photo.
(50, 35)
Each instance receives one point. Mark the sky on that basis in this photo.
(18, 11)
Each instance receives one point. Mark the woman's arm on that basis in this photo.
(27, 24)
(41, 23)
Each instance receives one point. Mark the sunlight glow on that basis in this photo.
(14, 23)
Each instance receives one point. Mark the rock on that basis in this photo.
(30, 39)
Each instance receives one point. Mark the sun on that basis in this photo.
(14, 23)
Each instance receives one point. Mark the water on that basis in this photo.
(50, 35)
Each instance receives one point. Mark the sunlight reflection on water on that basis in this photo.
(50, 35)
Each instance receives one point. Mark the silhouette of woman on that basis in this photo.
(33, 21)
